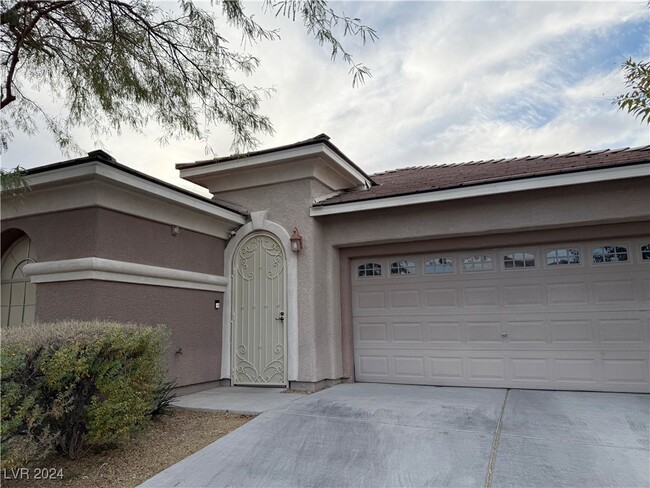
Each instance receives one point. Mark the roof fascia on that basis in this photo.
(534, 183)
(94, 168)
(195, 173)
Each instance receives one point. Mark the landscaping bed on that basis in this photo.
(167, 440)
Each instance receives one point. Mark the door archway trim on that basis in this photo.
(259, 222)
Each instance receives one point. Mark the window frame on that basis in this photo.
(522, 251)
(381, 263)
(640, 246)
(414, 260)
(568, 247)
(490, 255)
(438, 273)
(30, 258)
(629, 252)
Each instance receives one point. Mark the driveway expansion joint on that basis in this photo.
(495, 443)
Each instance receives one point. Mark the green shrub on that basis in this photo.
(76, 385)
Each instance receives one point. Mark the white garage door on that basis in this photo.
(567, 316)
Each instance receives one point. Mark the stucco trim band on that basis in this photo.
(121, 271)
(563, 179)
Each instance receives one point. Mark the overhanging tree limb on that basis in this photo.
(119, 63)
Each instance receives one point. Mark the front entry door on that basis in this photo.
(258, 308)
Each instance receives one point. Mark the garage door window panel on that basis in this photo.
(610, 254)
(563, 257)
(403, 267)
(478, 263)
(519, 260)
(436, 265)
(645, 252)
(369, 270)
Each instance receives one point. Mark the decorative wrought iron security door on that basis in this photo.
(258, 312)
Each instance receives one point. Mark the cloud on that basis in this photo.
(451, 82)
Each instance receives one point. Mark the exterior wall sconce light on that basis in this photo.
(296, 241)
(176, 230)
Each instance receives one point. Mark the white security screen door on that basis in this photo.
(258, 312)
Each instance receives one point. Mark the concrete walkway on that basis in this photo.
(237, 399)
(397, 435)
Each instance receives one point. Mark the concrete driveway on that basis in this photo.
(396, 435)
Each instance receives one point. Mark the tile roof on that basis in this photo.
(419, 179)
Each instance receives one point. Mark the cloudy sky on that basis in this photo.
(452, 82)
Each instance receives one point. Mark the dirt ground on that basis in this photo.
(166, 441)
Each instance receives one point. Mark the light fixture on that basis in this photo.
(176, 230)
(296, 241)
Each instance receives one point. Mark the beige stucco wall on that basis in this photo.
(98, 232)
(190, 315)
(325, 338)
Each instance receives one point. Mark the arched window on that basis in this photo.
(18, 294)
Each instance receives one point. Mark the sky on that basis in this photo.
(451, 82)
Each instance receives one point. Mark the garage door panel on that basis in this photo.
(372, 332)
(580, 326)
(567, 293)
(483, 332)
(445, 331)
(523, 295)
(481, 296)
(399, 299)
(372, 367)
(614, 291)
(529, 369)
(622, 330)
(447, 368)
(409, 367)
(406, 332)
(488, 369)
(532, 331)
(618, 371)
(571, 331)
(441, 298)
(574, 371)
(370, 300)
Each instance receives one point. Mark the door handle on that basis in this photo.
(281, 317)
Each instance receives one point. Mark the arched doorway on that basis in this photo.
(259, 312)
(18, 293)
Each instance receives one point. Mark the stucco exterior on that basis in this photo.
(114, 244)
(100, 232)
(548, 215)
(195, 325)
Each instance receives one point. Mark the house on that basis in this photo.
(304, 271)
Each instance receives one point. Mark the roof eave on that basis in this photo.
(486, 189)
